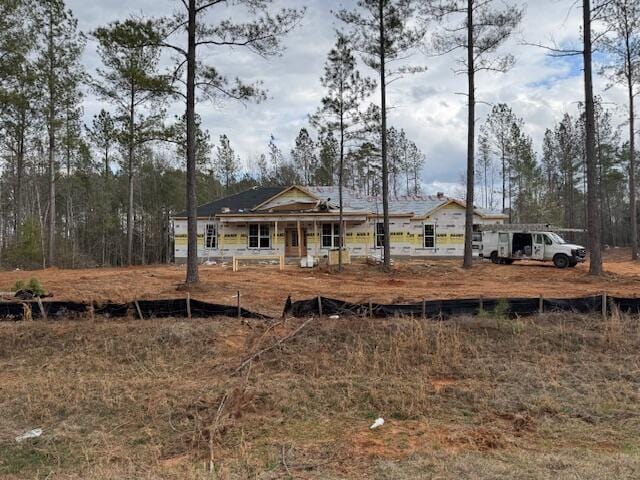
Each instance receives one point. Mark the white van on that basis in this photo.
(505, 246)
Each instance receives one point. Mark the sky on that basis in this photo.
(428, 105)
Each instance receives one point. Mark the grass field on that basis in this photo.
(543, 397)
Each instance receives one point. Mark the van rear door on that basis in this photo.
(503, 245)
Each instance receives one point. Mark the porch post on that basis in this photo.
(343, 230)
(275, 239)
(221, 243)
(299, 238)
(315, 237)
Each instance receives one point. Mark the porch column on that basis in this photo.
(221, 243)
(343, 231)
(299, 238)
(275, 239)
(315, 236)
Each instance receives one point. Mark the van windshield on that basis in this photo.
(556, 238)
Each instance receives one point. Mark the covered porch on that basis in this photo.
(292, 236)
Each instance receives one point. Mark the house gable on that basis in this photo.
(458, 206)
(292, 198)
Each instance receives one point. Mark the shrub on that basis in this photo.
(27, 251)
(33, 285)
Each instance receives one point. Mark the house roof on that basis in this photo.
(353, 202)
(239, 203)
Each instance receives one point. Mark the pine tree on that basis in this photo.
(130, 80)
(497, 128)
(227, 163)
(482, 29)
(58, 72)
(261, 34)
(329, 156)
(622, 22)
(385, 31)
(17, 93)
(340, 112)
(304, 156)
(415, 160)
(593, 204)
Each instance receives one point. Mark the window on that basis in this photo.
(379, 234)
(330, 235)
(429, 235)
(259, 236)
(547, 240)
(211, 236)
(538, 239)
(477, 234)
(503, 237)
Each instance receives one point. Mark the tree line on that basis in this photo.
(103, 193)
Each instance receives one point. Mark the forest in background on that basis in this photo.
(75, 194)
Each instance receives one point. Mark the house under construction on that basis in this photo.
(298, 221)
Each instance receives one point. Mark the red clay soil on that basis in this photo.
(264, 288)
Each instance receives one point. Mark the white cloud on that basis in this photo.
(539, 89)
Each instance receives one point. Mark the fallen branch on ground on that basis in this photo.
(271, 347)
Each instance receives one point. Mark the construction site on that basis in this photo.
(264, 287)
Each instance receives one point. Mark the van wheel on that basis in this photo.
(494, 257)
(561, 260)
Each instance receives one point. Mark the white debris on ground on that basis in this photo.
(35, 433)
(378, 423)
(334, 317)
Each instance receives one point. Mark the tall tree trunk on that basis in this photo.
(19, 175)
(52, 143)
(504, 178)
(593, 207)
(632, 164)
(192, 210)
(106, 209)
(130, 177)
(340, 184)
(468, 224)
(385, 166)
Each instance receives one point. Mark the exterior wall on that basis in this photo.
(407, 238)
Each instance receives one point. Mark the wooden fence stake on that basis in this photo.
(320, 305)
(138, 309)
(41, 307)
(604, 305)
(540, 304)
(481, 301)
(26, 312)
(188, 305)
(239, 306)
(424, 309)
(370, 309)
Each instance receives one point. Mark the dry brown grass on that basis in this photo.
(547, 397)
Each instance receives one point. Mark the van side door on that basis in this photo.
(538, 246)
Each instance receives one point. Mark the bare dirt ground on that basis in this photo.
(264, 288)
(546, 397)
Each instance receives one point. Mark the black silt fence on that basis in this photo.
(449, 308)
(147, 308)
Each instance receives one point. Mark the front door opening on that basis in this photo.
(293, 247)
